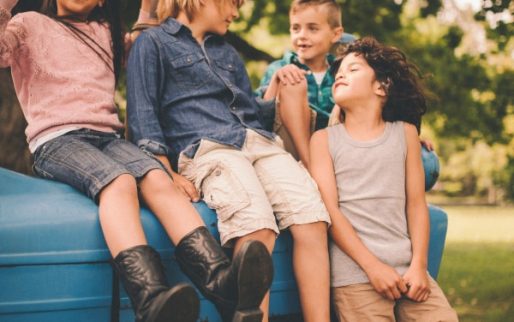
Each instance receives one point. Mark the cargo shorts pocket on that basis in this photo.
(223, 192)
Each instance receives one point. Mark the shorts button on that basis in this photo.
(217, 173)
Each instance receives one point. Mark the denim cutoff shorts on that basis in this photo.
(89, 160)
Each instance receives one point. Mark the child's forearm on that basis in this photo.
(10, 37)
(8, 4)
(271, 91)
(148, 8)
(419, 231)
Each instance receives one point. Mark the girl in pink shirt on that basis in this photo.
(65, 62)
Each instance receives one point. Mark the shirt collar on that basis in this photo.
(172, 26)
(292, 58)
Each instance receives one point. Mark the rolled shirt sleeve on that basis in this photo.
(144, 72)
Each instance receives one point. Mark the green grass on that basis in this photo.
(477, 271)
(478, 279)
(480, 224)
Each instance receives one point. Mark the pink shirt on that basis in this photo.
(60, 82)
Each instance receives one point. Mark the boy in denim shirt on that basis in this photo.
(190, 103)
(300, 80)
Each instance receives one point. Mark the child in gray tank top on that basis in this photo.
(370, 175)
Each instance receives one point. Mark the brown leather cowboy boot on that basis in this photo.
(236, 288)
(142, 274)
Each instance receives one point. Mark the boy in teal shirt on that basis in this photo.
(300, 81)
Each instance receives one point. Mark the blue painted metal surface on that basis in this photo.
(54, 262)
(431, 167)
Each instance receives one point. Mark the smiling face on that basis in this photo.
(311, 34)
(355, 82)
(78, 8)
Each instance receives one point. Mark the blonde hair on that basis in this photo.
(332, 9)
(171, 8)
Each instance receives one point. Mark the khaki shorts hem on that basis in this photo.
(227, 239)
(301, 219)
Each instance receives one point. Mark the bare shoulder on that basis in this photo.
(410, 129)
(411, 133)
(320, 137)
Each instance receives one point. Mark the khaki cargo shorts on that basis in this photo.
(258, 187)
(361, 303)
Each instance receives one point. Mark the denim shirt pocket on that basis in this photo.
(188, 72)
(226, 69)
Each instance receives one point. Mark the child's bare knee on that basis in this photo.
(123, 184)
(312, 231)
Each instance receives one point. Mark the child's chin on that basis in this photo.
(304, 56)
(221, 32)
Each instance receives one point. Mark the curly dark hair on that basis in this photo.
(401, 79)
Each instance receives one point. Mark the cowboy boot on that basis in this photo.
(142, 274)
(236, 288)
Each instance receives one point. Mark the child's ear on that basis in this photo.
(338, 31)
(381, 88)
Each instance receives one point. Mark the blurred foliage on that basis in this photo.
(502, 32)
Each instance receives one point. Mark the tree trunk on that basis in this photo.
(14, 153)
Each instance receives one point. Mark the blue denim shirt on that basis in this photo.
(180, 91)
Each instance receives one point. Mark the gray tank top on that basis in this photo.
(370, 180)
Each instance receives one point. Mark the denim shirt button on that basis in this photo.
(233, 108)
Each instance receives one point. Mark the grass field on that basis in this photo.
(477, 272)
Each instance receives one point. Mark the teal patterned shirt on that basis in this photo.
(320, 97)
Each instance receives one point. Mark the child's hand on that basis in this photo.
(290, 75)
(186, 187)
(427, 144)
(417, 281)
(8, 4)
(386, 281)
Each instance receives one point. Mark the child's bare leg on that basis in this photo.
(119, 215)
(295, 115)
(312, 271)
(267, 237)
(172, 208)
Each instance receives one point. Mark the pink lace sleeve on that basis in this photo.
(12, 35)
